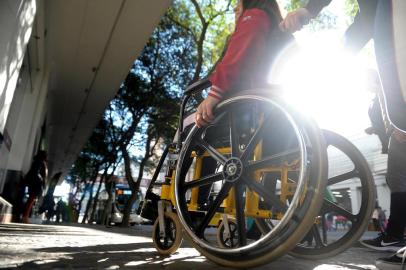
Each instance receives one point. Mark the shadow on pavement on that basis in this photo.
(144, 256)
(135, 256)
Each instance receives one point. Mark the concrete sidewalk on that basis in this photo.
(24, 246)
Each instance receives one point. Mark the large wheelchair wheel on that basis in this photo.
(340, 223)
(260, 133)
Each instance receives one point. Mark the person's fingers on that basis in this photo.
(200, 122)
(298, 23)
(204, 112)
(290, 25)
(293, 24)
(197, 119)
(198, 115)
(285, 23)
(209, 113)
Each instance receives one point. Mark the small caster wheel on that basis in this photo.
(168, 244)
(227, 237)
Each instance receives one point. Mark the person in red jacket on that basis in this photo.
(247, 59)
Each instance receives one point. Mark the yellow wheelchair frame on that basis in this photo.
(252, 199)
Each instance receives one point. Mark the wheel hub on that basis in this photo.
(232, 169)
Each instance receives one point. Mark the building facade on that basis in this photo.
(61, 62)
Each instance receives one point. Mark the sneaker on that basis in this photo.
(384, 242)
(394, 262)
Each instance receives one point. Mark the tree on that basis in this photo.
(144, 114)
(97, 154)
(208, 23)
(182, 48)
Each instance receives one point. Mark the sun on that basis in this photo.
(320, 78)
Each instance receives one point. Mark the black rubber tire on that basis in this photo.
(361, 220)
(281, 243)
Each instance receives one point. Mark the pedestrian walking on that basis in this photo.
(35, 180)
(382, 20)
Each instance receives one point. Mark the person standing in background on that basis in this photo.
(36, 181)
(384, 21)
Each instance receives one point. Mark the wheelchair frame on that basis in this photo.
(251, 208)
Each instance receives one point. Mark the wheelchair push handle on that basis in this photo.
(197, 87)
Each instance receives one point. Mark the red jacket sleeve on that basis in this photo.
(245, 46)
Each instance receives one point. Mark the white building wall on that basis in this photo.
(16, 24)
(16, 21)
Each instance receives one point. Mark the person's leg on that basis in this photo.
(392, 239)
(389, 49)
(396, 179)
(28, 207)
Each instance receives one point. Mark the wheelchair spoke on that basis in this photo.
(276, 159)
(263, 225)
(235, 150)
(329, 206)
(205, 180)
(213, 208)
(271, 199)
(342, 177)
(240, 216)
(212, 151)
(254, 140)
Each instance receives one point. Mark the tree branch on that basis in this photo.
(181, 25)
(199, 12)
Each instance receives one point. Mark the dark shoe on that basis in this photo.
(384, 243)
(394, 262)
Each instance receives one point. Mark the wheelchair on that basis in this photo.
(253, 185)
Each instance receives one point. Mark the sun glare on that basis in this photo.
(323, 80)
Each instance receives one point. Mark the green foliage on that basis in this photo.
(294, 4)
(209, 23)
(351, 8)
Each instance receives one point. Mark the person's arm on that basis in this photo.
(295, 20)
(244, 48)
(362, 29)
(248, 41)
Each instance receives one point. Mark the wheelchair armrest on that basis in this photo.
(197, 86)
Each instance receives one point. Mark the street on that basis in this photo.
(30, 246)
